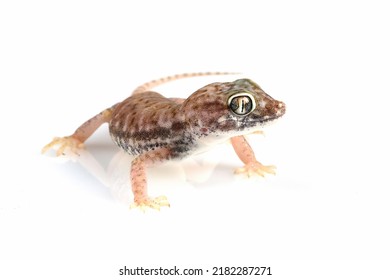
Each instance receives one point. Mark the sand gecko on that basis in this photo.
(154, 128)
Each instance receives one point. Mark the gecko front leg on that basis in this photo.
(247, 156)
(139, 182)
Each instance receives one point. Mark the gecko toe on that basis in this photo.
(153, 203)
(64, 144)
(256, 168)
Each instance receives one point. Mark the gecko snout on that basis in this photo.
(280, 108)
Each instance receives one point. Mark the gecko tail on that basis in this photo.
(149, 85)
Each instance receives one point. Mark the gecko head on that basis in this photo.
(233, 108)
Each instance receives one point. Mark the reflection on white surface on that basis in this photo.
(328, 61)
(111, 166)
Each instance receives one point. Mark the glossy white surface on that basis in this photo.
(328, 203)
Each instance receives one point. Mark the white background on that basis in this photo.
(325, 213)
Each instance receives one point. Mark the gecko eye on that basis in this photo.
(241, 103)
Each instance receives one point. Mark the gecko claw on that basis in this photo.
(64, 143)
(154, 203)
(256, 168)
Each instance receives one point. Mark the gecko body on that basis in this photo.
(154, 128)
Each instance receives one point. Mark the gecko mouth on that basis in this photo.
(262, 121)
(267, 119)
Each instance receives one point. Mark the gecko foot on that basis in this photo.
(64, 143)
(154, 203)
(256, 168)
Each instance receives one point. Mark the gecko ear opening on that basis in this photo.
(241, 104)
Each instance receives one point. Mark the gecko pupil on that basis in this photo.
(241, 105)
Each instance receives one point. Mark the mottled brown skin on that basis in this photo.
(147, 121)
(154, 128)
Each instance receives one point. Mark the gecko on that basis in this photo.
(154, 128)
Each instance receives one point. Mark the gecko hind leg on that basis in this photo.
(75, 142)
